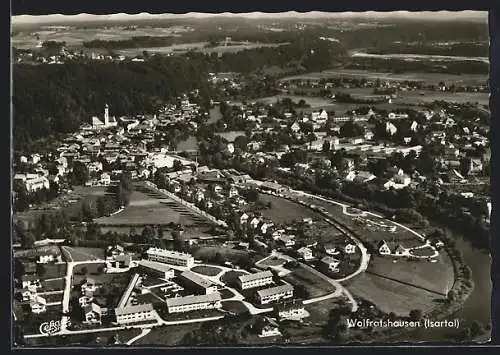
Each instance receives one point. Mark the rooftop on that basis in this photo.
(134, 309)
(256, 276)
(180, 301)
(274, 290)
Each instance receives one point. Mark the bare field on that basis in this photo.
(431, 78)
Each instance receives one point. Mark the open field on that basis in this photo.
(196, 46)
(53, 271)
(232, 255)
(437, 277)
(151, 208)
(76, 36)
(284, 211)
(168, 335)
(272, 261)
(82, 254)
(392, 296)
(430, 78)
(319, 311)
(234, 306)
(314, 284)
(52, 285)
(206, 270)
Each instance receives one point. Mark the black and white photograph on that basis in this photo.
(250, 179)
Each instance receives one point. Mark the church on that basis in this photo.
(108, 121)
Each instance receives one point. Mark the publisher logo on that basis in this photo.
(50, 328)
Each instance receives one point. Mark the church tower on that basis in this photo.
(106, 115)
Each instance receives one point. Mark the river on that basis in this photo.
(478, 306)
(191, 144)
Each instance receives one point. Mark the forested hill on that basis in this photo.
(57, 98)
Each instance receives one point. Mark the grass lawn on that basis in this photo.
(82, 254)
(273, 261)
(92, 269)
(148, 298)
(230, 277)
(53, 271)
(427, 251)
(206, 270)
(284, 211)
(53, 285)
(225, 293)
(319, 311)
(197, 314)
(56, 297)
(96, 339)
(391, 296)
(314, 284)
(234, 306)
(436, 277)
(232, 255)
(167, 335)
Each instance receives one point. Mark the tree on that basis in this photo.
(415, 315)
(147, 234)
(465, 165)
(80, 173)
(476, 328)
(40, 270)
(241, 142)
(27, 240)
(326, 147)
(177, 165)
(84, 270)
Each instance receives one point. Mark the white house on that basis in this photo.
(92, 313)
(350, 248)
(306, 253)
(383, 248)
(330, 264)
(38, 304)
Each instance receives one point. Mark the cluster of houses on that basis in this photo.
(107, 146)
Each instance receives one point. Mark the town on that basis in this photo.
(231, 219)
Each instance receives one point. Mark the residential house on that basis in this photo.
(350, 248)
(255, 222)
(92, 313)
(291, 311)
(383, 248)
(329, 264)
(90, 285)
(287, 240)
(306, 253)
(360, 176)
(38, 304)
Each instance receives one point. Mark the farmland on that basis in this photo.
(430, 78)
